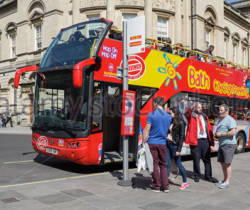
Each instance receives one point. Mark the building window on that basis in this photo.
(38, 37)
(234, 53)
(244, 56)
(225, 48)
(13, 45)
(208, 32)
(162, 28)
(128, 16)
(93, 17)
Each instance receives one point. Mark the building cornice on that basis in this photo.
(236, 16)
(84, 9)
(8, 60)
(129, 7)
(219, 28)
(163, 11)
(22, 23)
(53, 12)
(4, 3)
(198, 17)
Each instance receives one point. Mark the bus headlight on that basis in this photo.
(78, 144)
(73, 145)
(69, 145)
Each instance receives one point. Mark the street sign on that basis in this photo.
(128, 113)
(136, 35)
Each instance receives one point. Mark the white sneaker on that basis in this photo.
(224, 186)
(219, 183)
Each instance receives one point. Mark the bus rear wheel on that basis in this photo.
(240, 138)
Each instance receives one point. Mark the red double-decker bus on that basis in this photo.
(78, 97)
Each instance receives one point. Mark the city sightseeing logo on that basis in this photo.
(170, 71)
(42, 143)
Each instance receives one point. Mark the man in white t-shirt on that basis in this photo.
(225, 134)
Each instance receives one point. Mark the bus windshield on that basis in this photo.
(74, 44)
(58, 104)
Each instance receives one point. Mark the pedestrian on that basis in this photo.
(9, 118)
(179, 50)
(99, 31)
(225, 134)
(209, 50)
(175, 140)
(155, 134)
(3, 119)
(200, 137)
(167, 48)
(115, 34)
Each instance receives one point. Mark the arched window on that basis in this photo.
(236, 41)
(11, 30)
(227, 34)
(35, 14)
(210, 22)
(244, 44)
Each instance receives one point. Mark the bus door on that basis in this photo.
(112, 122)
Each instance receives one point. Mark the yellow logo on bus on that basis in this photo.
(198, 79)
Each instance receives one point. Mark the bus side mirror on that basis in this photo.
(19, 72)
(78, 70)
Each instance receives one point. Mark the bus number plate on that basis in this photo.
(52, 151)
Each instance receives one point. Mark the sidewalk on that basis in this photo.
(100, 191)
(16, 130)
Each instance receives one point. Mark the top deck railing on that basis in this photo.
(195, 55)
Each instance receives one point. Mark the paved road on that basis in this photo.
(22, 186)
(20, 164)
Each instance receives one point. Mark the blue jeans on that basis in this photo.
(171, 150)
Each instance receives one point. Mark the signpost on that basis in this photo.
(133, 42)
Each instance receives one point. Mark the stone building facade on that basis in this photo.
(27, 28)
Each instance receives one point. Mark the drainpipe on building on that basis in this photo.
(192, 26)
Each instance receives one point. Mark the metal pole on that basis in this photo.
(125, 181)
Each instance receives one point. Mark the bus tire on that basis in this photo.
(241, 141)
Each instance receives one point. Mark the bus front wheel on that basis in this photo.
(240, 138)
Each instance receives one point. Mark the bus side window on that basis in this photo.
(97, 108)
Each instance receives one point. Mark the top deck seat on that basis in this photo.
(193, 57)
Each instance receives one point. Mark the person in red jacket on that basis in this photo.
(200, 137)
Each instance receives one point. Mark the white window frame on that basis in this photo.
(93, 17)
(162, 27)
(208, 37)
(13, 45)
(235, 53)
(38, 35)
(127, 16)
(225, 48)
(244, 56)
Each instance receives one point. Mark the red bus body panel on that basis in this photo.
(89, 153)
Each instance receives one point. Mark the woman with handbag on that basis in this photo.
(175, 140)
